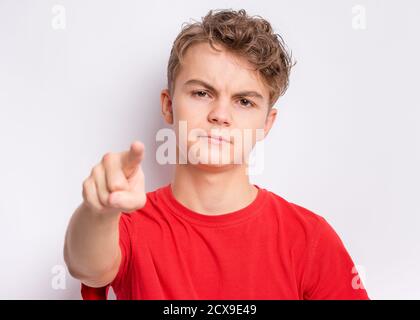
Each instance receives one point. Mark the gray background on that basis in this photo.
(345, 144)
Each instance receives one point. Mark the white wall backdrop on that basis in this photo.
(81, 78)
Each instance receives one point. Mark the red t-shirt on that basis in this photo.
(270, 249)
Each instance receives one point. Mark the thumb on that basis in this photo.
(127, 200)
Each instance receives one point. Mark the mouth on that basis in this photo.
(216, 139)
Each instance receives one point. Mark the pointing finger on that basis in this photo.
(131, 159)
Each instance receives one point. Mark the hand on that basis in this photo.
(117, 183)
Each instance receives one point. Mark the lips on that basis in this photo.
(217, 139)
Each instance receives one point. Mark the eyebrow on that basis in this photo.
(211, 88)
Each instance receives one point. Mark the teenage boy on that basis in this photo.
(209, 233)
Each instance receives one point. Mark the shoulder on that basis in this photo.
(294, 212)
(295, 220)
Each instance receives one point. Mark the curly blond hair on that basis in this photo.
(250, 37)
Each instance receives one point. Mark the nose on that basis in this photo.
(220, 115)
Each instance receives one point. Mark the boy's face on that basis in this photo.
(209, 97)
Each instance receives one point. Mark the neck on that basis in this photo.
(213, 191)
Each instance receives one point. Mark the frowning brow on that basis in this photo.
(211, 88)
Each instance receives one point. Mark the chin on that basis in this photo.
(214, 167)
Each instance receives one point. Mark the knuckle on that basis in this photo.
(115, 185)
(107, 157)
(86, 184)
(84, 195)
(88, 198)
(95, 171)
(102, 194)
(84, 189)
(103, 199)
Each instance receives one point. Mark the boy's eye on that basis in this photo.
(247, 103)
(199, 93)
(202, 94)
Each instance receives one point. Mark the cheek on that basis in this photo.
(250, 122)
(187, 108)
(250, 132)
(190, 115)
(187, 119)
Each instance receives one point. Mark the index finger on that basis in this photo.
(131, 159)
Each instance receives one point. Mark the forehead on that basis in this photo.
(224, 70)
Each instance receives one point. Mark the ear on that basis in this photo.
(269, 121)
(166, 103)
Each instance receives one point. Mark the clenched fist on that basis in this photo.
(117, 183)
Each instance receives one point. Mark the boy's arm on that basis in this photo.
(91, 250)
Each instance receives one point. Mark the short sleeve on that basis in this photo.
(330, 272)
(90, 293)
(125, 227)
